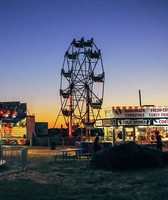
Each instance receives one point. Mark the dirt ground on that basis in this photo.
(42, 167)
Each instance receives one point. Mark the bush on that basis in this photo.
(128, 156)
(165, 157)
(152, 158)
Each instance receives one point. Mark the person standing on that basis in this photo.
(158, 141)
(96, 145)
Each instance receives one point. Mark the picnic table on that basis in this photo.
(74, 153)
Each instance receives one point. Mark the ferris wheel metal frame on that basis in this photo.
(82, 84)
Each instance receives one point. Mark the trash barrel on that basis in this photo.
(53, 145)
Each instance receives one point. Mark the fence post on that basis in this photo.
(24, 158)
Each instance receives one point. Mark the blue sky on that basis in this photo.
(35, 34)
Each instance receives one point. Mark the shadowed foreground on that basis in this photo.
(46, 180)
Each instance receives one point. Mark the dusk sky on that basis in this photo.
(35, 34)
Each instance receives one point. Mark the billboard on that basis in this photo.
(12, 110)
(14, 128)
(13, 119)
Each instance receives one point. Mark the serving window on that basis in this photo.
(147, 134)
(129, 134)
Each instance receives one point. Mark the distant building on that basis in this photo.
(41, 129)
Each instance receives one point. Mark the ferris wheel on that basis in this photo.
(82, 83)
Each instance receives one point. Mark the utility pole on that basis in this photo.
(140, 104)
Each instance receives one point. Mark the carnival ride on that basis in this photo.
(82, 84)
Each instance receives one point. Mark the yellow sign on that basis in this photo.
(108, 122)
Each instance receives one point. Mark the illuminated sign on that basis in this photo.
(98, 123)
(137, 122)
(13, 119)
(109, 122)
(139, 112)
(105, 123)
(15, 128)
(160, 122)
(12, 110)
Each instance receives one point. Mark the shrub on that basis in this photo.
(165, 157)
(128, 156)
(152, 158)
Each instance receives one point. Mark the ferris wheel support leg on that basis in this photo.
(88, 112)
(70, 117)
(56, 119)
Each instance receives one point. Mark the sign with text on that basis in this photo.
(136, 122)
(109, 122)
(98, 123)
(160, 122)
(139, 112)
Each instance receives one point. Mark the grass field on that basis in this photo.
(45, 179)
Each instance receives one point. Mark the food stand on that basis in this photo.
(134, 123)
